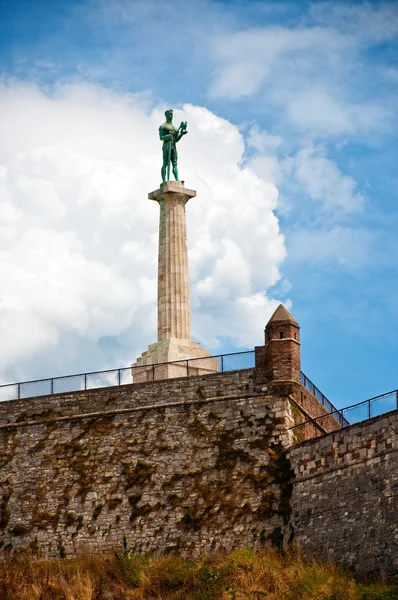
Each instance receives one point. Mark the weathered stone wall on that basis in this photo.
(197, 465)
(345, 496)
(127, 396)
(201, 471)
(304, 407)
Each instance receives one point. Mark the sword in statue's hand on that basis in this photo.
(169, 156)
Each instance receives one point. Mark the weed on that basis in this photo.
(201, 392)
(44, 519)
(97, 511)
(37, 416)
(113, 503)
(138, 474)
(99, 425)
(61, 551)
(277, 538)
(70, 519)
(10, 444)
(177, 477)
(197, 428)
(243, 575)
(192, 520)
(212, 415)
(19, 529)
(174, 500)
(164, 448)
(378, 592)
(138, 511)
(228, 456)
(4, 508)
(265, 509)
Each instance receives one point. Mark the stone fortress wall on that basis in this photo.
(200, 464)
(198, 472)
(345, 496)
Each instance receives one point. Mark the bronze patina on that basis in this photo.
(170, 135)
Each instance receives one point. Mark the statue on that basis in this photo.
(170, 135)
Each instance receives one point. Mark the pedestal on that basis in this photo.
(174, 318)
(173, 358)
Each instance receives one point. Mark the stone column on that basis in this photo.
(174, 317)
(174, 354)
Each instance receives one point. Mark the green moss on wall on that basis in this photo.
(97, 511)
(228, 456)
(138, 474)
(19, 529)
(44, 519)
(113, 503)
(135, 510)
(4, 508)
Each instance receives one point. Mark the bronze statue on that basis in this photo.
(170, 135)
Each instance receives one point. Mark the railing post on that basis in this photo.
(153, 372)
(52, 385)
(187, 368)
(368, 409)
(396, 397)
(222, 363)
(118, 376)
(19, 390)
(85, 381)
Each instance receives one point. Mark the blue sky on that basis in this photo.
(305, 95)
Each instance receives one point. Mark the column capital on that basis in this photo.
(172, 190)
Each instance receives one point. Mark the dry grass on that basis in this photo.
(240, 576)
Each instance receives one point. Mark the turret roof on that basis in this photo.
(282, 314)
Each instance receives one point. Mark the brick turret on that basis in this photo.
(279, 359)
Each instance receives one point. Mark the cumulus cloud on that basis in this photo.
(315, 110)
(312, 75)
(262, 141)
(346, 246)
(323, 182)
(368, 22)
(310, 175)
(78, 237)
(245, 59)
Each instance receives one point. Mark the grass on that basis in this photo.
(240, 576)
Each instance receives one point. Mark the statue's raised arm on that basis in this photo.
(170, 135)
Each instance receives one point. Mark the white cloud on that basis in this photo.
(262, 141)
(323, 181)
(268, 167)
(248, 312)
(308, 175)
(312, 74)
(368, 22)
(245, 59)
(348, 247)
(78, 237)
(315, 110)
(44, 64)
(390, 74)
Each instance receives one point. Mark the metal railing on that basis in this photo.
(127, 375)
(323, 400)
(233, 361)
(362, 411)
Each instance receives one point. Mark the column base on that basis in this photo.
(154, 363)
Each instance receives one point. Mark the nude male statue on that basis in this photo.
(170, 135)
